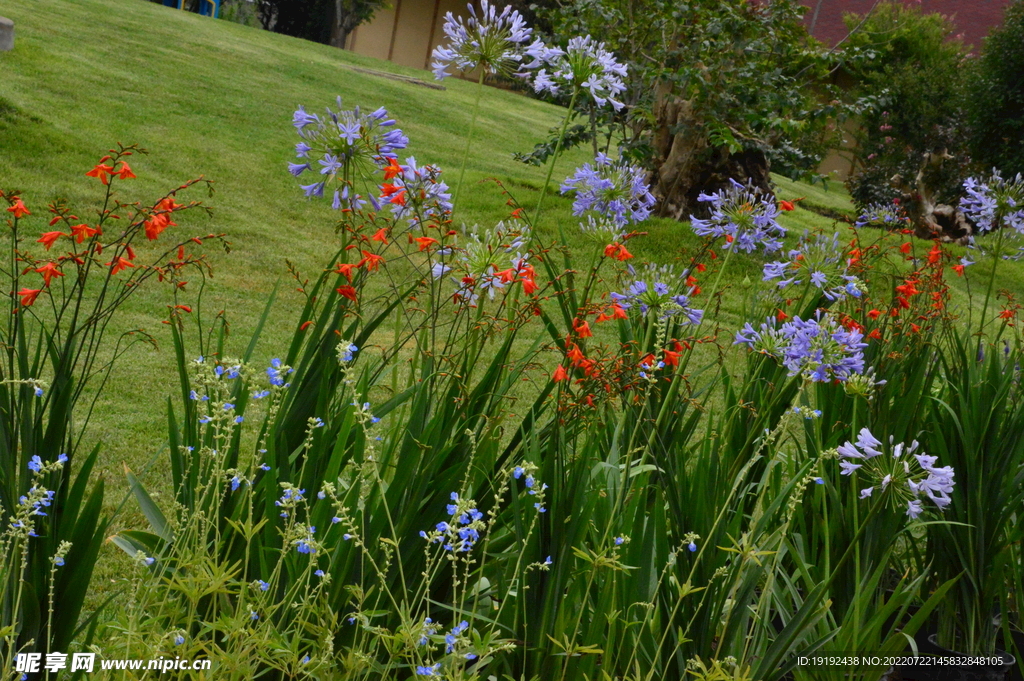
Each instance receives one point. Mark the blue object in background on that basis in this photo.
(208, 8)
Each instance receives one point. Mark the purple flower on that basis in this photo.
(492, 40)
(887, 216)
(660, 289)
(819, 348)
(584, 64)
(994, 203)
(418, 193)
(743, 216)
(617, 192)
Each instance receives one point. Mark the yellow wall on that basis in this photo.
(403, 33)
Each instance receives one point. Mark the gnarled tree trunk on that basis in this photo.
(931, 220)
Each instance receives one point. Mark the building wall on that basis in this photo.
(407, 33)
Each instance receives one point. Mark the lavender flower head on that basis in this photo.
(905, 474)
(493, 41)
(346, 145)
(584, 64)
(993, 201)
(418, 194)
(660, 289)
(887, 216)
(818, 263)
(819, 349)
(743, 216)
(475, 266)
(617, 192)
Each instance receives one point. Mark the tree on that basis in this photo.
(910, 88)
(996, 96)
(323, 21)
(719, 89)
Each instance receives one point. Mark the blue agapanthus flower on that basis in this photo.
(341, 146)
(743, 216)
(819, 348)
(887, 216)
(993, 201)
(660, 289)
(492, 39)
(615, 191)
(817, 262)
(584, 64)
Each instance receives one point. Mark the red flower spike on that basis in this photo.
(305, 325)
(130, 251)
(781, 316)
(959, 269)
(559, 375)
(347, 292)
(392, 169)
(48, 238)
(118, 265)
(671, 358)
(49, 271)
(905, 248)
(28, 296)
(381, 235)
(372, 260)
(125, 173)
(186, 308)
(582, 328)
(874, 314)
(101, 172)
(1006, 314)
(529, 288)
(619, 312)
(83, 231)
(876, 334)
(20, 210)
(786, 205)
(425, 242)
(701, 267)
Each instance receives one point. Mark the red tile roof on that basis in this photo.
(973, 18)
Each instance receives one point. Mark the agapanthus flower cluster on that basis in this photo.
(996, 200)
(494, 40)
(819, 262)
(343, 147)
(416, 193)
(584, 64)
(742, 215)
(615, 191)
(820, 349)
(906, 474)
(662, 290)
(488, 260)
(887, 216)
(463, 530)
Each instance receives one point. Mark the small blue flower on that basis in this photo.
(692, 547)
(253, 615)
(263, 585)
(517, 472)
(179, 639)
(150, 560)
(39, 391)
(228, 405)
(35, 464)
(429, 671)
(58, 561)
(235, 482)
(548, 561)
(264, 467)
(619, 541)
(239, 419)
(319, 573)
(305, 660)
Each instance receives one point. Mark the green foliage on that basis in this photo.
(909, 75)
(996, 96)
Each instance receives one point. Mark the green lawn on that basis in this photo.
(213, 98)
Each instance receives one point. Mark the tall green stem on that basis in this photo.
(469, 137)
(554, 160)
(991, 279)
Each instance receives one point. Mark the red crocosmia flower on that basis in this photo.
(517, 214)
(168, 205)
(49, 271)
(346, 269)
(589, 399)
(619, 312)
(372, 260)
(529, 286)
(29, 295)
(713, 255)
(381, 235)
(506, 276)
(691, 281)
(575, 355)
(602, 318)
(398, 199)
(186, 308)
(181, 252)
(101, 172)
(903, 302)
(347, 292)
(786, 205)
(907, 289)
(305, 325)
(781, 316)
(425, 242)
(876, 334)
(559, 375)
(48, 238)
(671, 357)
(20, 210)
(935, 255)
(1006, 314)
(157, 224)
(905, 248)
(874, 314)
(119, 264)
(582, 328)
(131, 251)
(83, 231)
(392, 169)
(915, 328)
(125, 173)
(701, 267)
(959, 269)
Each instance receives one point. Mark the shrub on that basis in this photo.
(996, 96)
